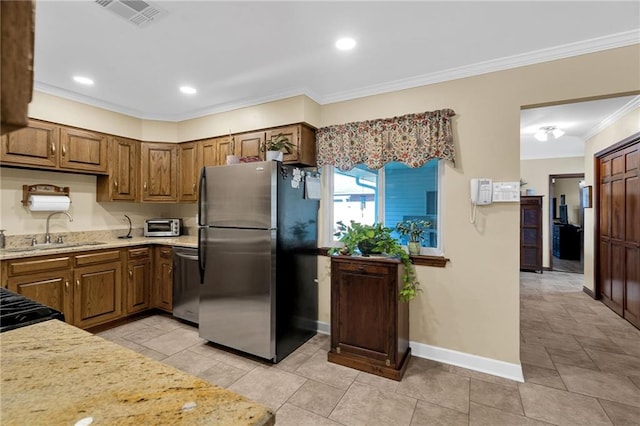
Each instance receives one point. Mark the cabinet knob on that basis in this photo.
(66, 285)
(194, 188)
(53, 148)
(170, 271)
(64, 150)
(77, 283)
(115, 183)
(144, 187)
(130, 273)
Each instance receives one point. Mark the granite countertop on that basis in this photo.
(91, 242)
(56, 374)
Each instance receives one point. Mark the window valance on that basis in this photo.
(412, 139)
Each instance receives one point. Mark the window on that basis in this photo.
(389, 195)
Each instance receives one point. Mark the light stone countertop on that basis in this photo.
(80, 244)
(56, 374)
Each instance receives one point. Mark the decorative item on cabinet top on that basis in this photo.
(45, 197)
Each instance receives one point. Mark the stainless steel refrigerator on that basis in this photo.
(257, 250)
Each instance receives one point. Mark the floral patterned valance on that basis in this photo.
(412, 139)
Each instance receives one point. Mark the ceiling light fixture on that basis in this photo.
(83, 80)
(345, 43)
(543, 134)
(188, 90)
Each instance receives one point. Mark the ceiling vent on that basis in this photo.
(139, 13)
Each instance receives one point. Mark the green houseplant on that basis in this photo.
(377, 239)
(416, 230)
(278, 143)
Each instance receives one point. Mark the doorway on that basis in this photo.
(566, 223)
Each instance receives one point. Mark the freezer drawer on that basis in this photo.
(237, 295)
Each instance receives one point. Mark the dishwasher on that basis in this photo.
(186, 284)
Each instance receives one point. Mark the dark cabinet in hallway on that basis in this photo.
(531, 233)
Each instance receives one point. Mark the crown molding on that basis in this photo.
(626, 38)
(628, 107)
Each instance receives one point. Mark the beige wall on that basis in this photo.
(536, 174)
(621, 129)
(472, 305)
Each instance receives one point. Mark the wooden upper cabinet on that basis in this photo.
(17, 20)
(249, 144)
(121, 184)
(189, 166)
(214, 151)
(159, 172)
(36, 145)
(83, 150)
(303, 139)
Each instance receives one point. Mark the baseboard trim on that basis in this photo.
(459, 359)
(589, 292)
(472, 362)
(323, 327)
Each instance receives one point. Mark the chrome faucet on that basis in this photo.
(47, 237)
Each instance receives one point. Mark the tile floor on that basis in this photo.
(581, 364)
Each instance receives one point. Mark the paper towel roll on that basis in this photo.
(49, 203)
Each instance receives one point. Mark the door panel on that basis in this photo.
(97, 294)
(632, 289)
(237, 297)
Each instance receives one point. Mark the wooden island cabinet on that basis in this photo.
(369, 325)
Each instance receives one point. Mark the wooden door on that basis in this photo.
(97, 294)
(83, 150)
(163, 285)
(52, 289)
(619, 230)
(189, 165)
(138, 285)
(121, 184)
(249, 144)
(36, 145)
(531, 233)
(159, 172)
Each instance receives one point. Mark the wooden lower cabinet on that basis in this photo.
(97, 295)
(369, 325)
(137, 280)
(163, 286)
(49, 288)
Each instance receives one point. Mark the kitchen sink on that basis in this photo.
(53, 246)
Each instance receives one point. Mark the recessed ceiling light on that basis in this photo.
(188, 90)
(346, 43)
(83, 80)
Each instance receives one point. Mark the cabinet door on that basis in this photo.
(215, 151)
(138, 282)
(363, 321)
(97, 294)
(159, 172)
(49, 288)
(36, 145)
(83, 150)
(249, 144)
(531, 233)
(163, 291)
(293, 134)
(121, 184)
(189, 161)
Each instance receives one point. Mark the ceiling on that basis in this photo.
(244, 53)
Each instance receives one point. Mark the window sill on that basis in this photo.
(419, 260)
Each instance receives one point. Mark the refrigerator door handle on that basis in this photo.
(202, 211)
(202, 254)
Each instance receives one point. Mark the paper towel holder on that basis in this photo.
(42, 189)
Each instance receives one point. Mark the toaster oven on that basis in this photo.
(162, 227)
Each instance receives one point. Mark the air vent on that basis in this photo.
(139, 13)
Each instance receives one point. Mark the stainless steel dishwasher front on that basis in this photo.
(186, 284)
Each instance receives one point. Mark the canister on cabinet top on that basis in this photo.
(1, 238)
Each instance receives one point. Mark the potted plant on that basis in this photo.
(377, 239)
(274, 147)
(416, 230)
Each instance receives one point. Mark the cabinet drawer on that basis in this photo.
(364, 268)
(138, 253)
(100, 257)
(30, 266)
(165, 252)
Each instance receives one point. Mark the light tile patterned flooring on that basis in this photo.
(580, 360)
